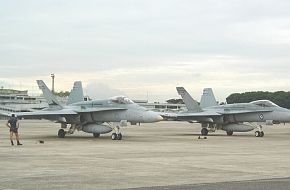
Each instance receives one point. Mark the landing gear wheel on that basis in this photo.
(204, 131)
(61, 133)
(262, 134)
(257, 133)
(119, 136)
(96, 135)
(230, 133)
(114, 136)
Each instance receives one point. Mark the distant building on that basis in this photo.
(19, 101)
(161, 107)
(4, 91)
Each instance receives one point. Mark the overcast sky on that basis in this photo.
(140, 47)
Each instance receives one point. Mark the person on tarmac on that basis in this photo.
(13, 124)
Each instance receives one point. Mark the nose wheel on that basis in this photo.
(260, 132)
(204, 131)
(116, 136)
(96, 135)
(61, 133)
(230, 133)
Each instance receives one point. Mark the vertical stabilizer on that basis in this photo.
(76, 94)
(207, 99)
(50, 98)
(190, 103)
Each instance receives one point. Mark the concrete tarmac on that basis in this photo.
(165, 155)
(266, 184)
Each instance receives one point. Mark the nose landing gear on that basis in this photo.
(61, 132)
(117, 135)
(230, 133)
(204, 131)
(260, 132)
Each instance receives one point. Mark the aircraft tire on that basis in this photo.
(96, 135)
(61, 133)
(262, 134)
(230, 133)
(204, 131)
(119, 136)
(114, 136)
(257, 134)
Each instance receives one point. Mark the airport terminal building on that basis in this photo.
(19, 101)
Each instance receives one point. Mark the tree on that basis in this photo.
(280, 98)
(175, 101)
(62, 93)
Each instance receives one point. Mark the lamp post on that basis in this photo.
(52, 88)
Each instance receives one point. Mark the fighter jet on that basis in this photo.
(96, 116)
(239, 117)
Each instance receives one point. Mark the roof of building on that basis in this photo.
(4, 91)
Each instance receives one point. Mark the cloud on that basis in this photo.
(147, 47)
(97, 90)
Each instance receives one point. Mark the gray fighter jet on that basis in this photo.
(96, 116)
(240, 117)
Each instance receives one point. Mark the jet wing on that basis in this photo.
(230, 112)
(168, 116)
(62, 113)
(188, 114)
(198, 114)
(207, 116)
(91, 110)
(40, 114)
(57, 115)
(218, 113)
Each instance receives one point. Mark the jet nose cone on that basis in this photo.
(159, 118)
(153, 117)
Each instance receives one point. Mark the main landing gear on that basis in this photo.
(96, 135)
(230, 133)
(204, 131)
(260, 132)
(117, 135)
(61, 133)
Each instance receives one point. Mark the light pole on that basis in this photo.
(52, 88)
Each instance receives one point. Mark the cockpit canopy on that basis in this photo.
(121, 100)
(264, 103)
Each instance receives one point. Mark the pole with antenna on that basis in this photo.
(52, 77)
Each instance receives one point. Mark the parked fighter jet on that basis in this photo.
(240, 117)
(96, 116)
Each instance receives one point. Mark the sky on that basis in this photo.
(145, 48)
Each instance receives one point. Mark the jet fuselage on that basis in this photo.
(256, 113)
(128, 111)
